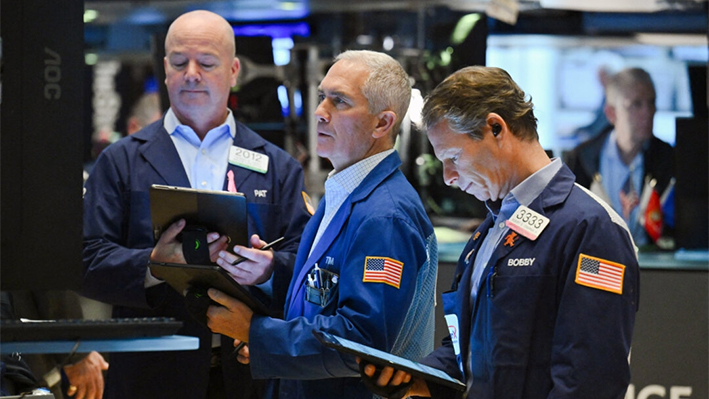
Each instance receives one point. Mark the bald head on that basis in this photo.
(201, 23)
(200, 69)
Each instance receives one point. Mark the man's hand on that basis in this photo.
(243, 354)
(232, 319)
(256, 267)
(389, 378)
(85, 377)
(169, 249)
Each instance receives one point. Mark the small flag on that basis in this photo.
(600, 273)
(653, 216)
(628, 197)
(667, 201)
(308, 204)
(378, 269)
(650, 214)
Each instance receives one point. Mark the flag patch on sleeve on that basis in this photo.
(379, 269)
(600, 273)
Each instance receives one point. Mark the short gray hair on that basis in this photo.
(622, 83)
(386, 87)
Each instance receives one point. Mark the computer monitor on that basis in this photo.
(41, 144)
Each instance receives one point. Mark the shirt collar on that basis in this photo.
(350, 177)
(530, 188)
(611, 150)
(171, 123)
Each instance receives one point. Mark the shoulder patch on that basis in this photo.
(379, 269)
(308, 204)
(600, 274)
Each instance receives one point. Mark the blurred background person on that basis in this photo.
(628, 160)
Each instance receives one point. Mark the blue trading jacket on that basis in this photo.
(535, 332)
(118, 239)
(382, 217)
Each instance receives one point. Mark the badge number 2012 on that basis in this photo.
(527, 222)
(248, 159)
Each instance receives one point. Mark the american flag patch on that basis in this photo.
(600, 273)
(378, 269)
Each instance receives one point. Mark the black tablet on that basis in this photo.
(216, 211)
(381, 359)
(182, 276)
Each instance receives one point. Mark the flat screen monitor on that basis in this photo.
(41, 144)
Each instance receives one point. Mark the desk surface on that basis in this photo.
(166, 343)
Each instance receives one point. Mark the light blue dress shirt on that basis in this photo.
(614, 173)
(340, 184)
(205, 161)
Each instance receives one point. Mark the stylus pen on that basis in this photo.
(238, 348)
(265, 247)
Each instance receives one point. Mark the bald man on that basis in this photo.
(198, 144)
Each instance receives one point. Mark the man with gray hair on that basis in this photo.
(621, 161)
(366, 266)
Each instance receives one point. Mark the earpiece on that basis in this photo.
(496, 129)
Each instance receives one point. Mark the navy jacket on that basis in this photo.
(533, 331)
(118, 240)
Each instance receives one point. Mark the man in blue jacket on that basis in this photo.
(545, 293)
(196, 144)
(366, 266)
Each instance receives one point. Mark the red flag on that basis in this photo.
(652, 218)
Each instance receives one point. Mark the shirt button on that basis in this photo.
(502, 225)
(204, 183)
(204, 152)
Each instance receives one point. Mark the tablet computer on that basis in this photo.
(381, 359)
(216, 211)
(182, 276)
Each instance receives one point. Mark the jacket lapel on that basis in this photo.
(464, 286)
(385, 168)
(160, 153)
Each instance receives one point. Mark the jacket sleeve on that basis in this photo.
(594, 327)
(369, 313)
(115, 260)
(443, 358)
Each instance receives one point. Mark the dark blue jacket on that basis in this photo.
(533, 331)
(118, 240)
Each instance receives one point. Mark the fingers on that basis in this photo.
(400, 378)
(385, 376)
(243, 352)
(232, 319)
(256, 242)
(220, 297)
(217, 245)
(172, 231)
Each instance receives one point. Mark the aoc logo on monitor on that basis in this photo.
(52, 74)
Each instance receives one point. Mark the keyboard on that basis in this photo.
(83, 329)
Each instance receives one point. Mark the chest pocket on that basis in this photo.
(522, 306)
